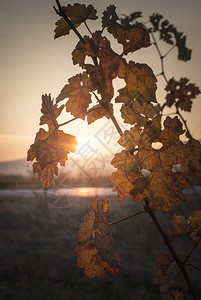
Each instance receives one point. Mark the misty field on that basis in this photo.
(37, 251)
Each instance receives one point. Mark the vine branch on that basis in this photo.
(126, 218)
(179, 263)
(166, 80)
(191, 251)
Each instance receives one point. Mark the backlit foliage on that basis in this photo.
(143, 171)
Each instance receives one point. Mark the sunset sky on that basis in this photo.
(33, 63)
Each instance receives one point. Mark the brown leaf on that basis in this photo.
(89, 259)
(162, 186)
(195, 227)
(179, 229)
(50, 112)
(77, 13)
(49, 149)
(121, 184)
(99, 257)
(140, 83)
(181, 93)
(78, 91)
(132, 37)
(97, 112)
(164, 260)
(105, 205)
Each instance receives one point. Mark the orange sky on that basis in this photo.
(33, 63)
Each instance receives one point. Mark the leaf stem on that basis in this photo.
(193, 266)
(126, 218)
(166, 80)
(118, 128)
(191, 251)
(88, 28)
(62, 14)
(76, 117)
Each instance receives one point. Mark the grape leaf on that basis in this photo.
(140, 83)
(99, 257)
(86, 228)
(50, 147)
(108, 68)
(162, 186)
(184, 53)
(133, 112)
(164, 260)
(170, 35)
(181, 93)
(89, 259)
(132, 37)
(77, 13)
(78, 91)
(105, 206)
(179, 229)
(97, 112)
(195, 227)
(50, 151)
(169, 277)
(155, 20)
(130, 19)
(50, 112)
(173, 286)
(121, 184)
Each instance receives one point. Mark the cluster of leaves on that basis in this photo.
(98, 257)
(143, 171)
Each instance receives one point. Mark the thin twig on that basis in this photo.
(193, 266)
(169, 50)
(111, 116)
(126, 218)
(76, 117)
(166, 80)
(184, 121)
(191, 251)
(88, 28)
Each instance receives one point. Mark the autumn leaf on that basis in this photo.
(195, 227)
(170, 35)
(50, 112)
(181, 93)
(134, 113)
(77, 13)
(164, 260)
(179, 228)
(162, 186)
(172, 286)
(108, 67)
(140, 83)
(131, 37)
(50, 147)
(78, 91)
(105, 205)
(97, 112)
(99, 257)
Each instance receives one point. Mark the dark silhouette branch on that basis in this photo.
(179, 263)
(126, 218)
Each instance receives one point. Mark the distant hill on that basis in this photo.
(15, 167)
(77, 167)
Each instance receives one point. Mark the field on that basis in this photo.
(37, 251)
